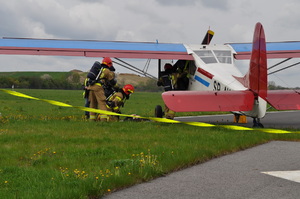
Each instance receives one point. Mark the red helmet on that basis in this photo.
(128, 89)
(168, 66)
(107, 61)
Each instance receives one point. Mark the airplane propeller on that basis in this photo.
(208, 37)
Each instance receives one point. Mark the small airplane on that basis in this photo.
(215, 83)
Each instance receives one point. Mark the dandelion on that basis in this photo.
(108, 190)
(5, 181)
(97, 178)
(129, 173)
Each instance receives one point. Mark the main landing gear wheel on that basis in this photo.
(158, 111)
(257, 124)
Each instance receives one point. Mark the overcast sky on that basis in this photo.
(174, 21)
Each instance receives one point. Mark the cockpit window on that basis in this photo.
(210, 57)
(207, 56)
(223, 56)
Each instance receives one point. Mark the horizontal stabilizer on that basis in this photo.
(284, 99)
(189, 101)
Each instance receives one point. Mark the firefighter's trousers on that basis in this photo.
(97, 101)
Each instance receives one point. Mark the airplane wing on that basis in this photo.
(91, 48)
(274, 50)
(189, 101)
(284, 99)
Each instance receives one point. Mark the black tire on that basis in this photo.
(258, 125)
(158, 111)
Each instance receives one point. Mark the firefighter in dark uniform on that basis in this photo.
(86, 93)
(117, 100)
(97, 98)
(182, 69)
(168, 79)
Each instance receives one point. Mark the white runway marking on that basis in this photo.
(288, 175)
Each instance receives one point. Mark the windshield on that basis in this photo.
(223, 56)
(207, 56)
(216, 56)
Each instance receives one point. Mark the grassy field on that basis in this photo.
(48, 151)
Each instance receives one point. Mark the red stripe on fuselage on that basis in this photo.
(205, 73)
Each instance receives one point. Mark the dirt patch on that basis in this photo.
(127, 78)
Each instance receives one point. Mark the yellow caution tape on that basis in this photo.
(237, 128)
(162, 120)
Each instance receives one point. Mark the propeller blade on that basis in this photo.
(208, 37)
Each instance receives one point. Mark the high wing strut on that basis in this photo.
(279, 63)
(147, 65)
(133, 68)
(284, 68)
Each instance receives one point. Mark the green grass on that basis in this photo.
(52, 152)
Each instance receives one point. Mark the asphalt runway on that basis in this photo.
(282, 119)
(241, 175)
(268, 171)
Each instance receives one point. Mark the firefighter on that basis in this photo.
(168, 79)
(117, 99)
(104, 77)
(165, 79)
(182, 69)
(86, 93)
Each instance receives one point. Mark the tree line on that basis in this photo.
(70, 83)
(38, 83)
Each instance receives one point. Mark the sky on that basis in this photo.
(170, 21)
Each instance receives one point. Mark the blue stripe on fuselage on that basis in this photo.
(202, 81)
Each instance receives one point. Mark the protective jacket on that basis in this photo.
(114, 102)
(168, 80)
(97, 96)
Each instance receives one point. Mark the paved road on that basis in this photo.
(234, 176)
(284, 119)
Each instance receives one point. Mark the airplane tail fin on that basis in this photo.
(256, 77)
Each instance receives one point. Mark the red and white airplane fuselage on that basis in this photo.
(216, 84)
(216, 71)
